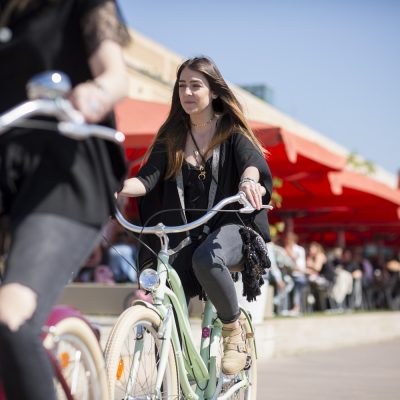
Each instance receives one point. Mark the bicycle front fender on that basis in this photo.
(58, 313)
(249, 320)
(167, 318)
(148, 305)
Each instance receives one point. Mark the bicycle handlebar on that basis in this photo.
(161, 230)
(72, 122)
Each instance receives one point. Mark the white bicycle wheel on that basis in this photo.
(250, 393)
(132, 357)
(80, 360)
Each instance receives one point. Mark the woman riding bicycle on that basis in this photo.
(56, 192)
(204, 152)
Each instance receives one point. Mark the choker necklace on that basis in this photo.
(202, 125)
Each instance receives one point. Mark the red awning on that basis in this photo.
(291, 153)
(348, 180)
(337, 189)
(344, 201)
(140, 120)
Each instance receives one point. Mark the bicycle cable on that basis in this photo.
(138, 237)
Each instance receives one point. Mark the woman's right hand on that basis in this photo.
(254, 192)
(133, 187)
(91, 100)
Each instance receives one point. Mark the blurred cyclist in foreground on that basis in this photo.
(57, 193)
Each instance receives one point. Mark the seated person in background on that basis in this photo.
(276, 277)
(95, 269)
(298, 255)
(122, 259)
(343, 283)
(393, 268)
(363, 277)
(316, 262)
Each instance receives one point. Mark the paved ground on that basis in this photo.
(367, 372)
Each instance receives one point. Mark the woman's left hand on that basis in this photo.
(91, 100)
(253, 192)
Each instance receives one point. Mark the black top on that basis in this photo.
(196, 192)
(43, 171)
(236, 154)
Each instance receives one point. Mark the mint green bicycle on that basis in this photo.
(151, 354)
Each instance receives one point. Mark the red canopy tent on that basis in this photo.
(290, 153)
(140, 121)
(348, 202)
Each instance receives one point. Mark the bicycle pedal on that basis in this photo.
(248, 363)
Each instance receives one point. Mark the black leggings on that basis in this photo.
(46, 251)
(212, 262)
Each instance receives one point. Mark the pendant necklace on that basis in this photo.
(202, 163)
(202, 173)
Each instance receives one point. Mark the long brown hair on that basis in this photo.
(172, 134)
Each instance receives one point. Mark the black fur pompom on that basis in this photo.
(256, 261)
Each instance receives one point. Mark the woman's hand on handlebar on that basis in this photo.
(95, 99)
(91, 100)
(133, 187)
(254, 192)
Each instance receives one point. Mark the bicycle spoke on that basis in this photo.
(73, 363)
(139, 360)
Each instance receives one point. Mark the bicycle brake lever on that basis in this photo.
(247, 207)
(267, 207)
(71, 114)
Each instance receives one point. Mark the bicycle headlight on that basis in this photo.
(149, 280)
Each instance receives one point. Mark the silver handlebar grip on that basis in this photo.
(80, 132)
(47, 92)
(72, 122)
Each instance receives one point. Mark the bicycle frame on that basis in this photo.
(200, 366)
(194, 367)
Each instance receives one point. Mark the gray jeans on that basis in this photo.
(212, 262)
(46, 250)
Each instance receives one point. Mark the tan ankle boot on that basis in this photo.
(235, 350)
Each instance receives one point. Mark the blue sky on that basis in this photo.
(333, 65)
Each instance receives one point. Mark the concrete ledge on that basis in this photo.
(96, 298)
(280, 337)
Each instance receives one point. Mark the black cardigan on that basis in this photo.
(237, 153)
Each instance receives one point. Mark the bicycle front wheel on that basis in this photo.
(79, 359)
(250, 393)
(133, 355)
